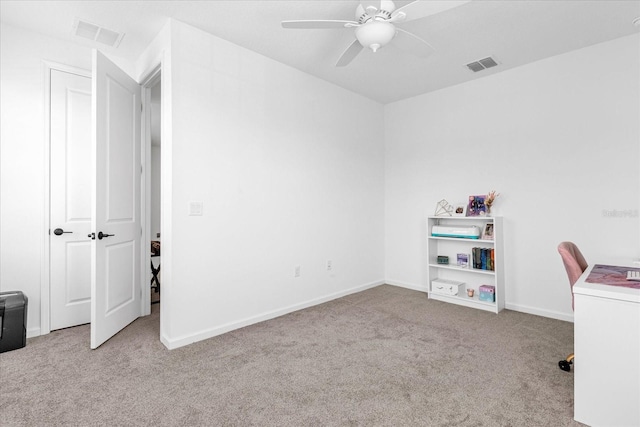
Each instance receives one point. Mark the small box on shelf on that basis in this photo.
(487, 293)
(446, 287)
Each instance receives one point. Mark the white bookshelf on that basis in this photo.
(471, 277)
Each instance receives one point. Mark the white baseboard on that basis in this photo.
(539, 312)
(411, 286)
(210, 333)
(33, 332)
(515, 307)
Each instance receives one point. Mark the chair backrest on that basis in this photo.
(574, 263)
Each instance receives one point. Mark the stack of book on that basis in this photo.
(483, 258)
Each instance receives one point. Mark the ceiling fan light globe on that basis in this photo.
(375, 34)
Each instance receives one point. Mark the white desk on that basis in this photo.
(607, 349)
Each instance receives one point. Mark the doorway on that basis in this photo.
(68, 90)
(154, 90)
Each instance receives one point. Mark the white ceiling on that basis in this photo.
(514, 32)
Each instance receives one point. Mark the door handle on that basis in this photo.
(101, 235)
(60, 231)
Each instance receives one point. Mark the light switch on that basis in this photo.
(195, 208)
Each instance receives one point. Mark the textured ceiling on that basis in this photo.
(514, 32)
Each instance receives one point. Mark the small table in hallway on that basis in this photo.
(155, 271)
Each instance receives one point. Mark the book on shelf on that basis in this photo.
(483, 258)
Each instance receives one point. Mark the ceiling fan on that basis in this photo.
(375, 26)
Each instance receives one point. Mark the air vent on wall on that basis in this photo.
(97, 33)
(482, 64)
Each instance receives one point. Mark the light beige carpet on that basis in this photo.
(383, 357)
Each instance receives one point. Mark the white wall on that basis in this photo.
(290, 172)
(559, 139)
(22, 134)
(156, 149)
(155, 191)
(22, 156)
(289, 168)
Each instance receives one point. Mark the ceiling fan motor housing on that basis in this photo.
(375, 34)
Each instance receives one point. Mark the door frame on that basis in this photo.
(45, 272)
(150, 79)
(160, 67)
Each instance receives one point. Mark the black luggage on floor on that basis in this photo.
(13, 320)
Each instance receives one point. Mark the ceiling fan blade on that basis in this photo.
(411, 43)
(318, 24)
(387, 5)
(368, 4)
(420, 9)
(347, 56)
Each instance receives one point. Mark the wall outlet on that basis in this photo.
(296, 272)
(329, 265)
(195, 208)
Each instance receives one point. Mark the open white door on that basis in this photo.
(116, 203)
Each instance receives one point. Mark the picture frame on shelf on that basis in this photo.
(463, 260)
(487, 232)
(459, 209)
(476, 206)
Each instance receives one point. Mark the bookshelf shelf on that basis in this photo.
(471, 241)
(473, 302)
(472, 278)
(463, 269)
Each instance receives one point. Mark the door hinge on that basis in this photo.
(141, 108)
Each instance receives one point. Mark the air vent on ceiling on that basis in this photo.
(482, 64)
(97, 33)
